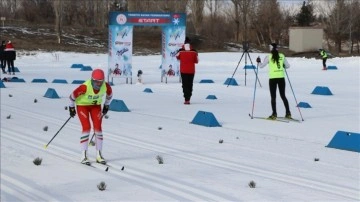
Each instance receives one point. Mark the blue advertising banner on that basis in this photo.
(173, 39)
(120, 51)
(121, 40)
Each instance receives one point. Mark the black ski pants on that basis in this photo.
(11, 67)
(187, 85)
(273, 84)
(3, 64)
(324, 62)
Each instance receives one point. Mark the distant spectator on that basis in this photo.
(2, 57)
(10, 56)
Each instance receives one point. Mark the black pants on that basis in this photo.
(3, 64)
(324, 62)
(273, 83)
(187, 85)
(11, 67)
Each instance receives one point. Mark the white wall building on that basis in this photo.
(302, 39)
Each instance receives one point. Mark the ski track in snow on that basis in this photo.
(176, 189)
(179, 190)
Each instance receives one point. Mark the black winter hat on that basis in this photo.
(187, 40)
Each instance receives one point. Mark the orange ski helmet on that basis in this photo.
(98, 74)
(97, 79)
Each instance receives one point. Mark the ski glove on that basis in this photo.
(258, 60)
(105, 109)
(72, 111)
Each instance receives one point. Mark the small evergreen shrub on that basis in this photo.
(252, 184)
(101, 186)
(37, 161)
(46, 128)
(9, 116)
(221, 141)
(35, 101)
(160, 159)
(10, 95)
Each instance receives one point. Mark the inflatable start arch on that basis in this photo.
(121, 41)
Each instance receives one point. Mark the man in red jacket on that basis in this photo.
(188, 58)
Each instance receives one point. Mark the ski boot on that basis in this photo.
(99, 158)
(84, 158)
(272, 117)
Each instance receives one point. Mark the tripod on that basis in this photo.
(246, 53)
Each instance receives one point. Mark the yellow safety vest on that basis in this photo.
(323, 54)
(277, 70)
(90, 98)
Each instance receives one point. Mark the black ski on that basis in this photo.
(88, 164)
(101, 166)
(291, 119)
(265, 118)
(104, 167)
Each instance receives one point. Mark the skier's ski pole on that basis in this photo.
(91, 142)
(257, 71)
(57, 132)
(297, 105)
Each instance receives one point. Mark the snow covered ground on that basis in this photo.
(279, 157)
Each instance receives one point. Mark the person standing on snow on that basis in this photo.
(10, 56)
(88, 99)
(188, 58)
(277, 65)
(324, 57)
(2, 57)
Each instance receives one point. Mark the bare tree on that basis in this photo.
(241, 16)
(157, 5)
(336, 23)
(354, 24)
(58, 19)
(196, 8)
(213, 6)
(213, 17)
(269, 21)
(356, 28)
(236, 17)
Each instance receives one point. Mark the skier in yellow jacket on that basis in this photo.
(277, 64)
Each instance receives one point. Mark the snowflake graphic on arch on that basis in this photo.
(176, 21)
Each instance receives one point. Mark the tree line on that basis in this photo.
(219, 21)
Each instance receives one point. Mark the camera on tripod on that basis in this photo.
(246, 46)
